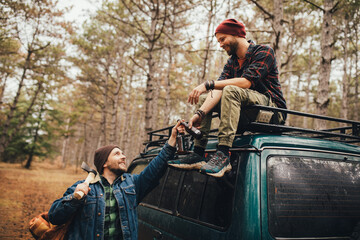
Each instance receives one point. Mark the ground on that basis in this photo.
(25, 194)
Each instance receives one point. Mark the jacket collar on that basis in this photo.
(101, 177)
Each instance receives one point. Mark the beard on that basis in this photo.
(116, 171)
(233, 48)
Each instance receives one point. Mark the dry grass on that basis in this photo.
(27, 193)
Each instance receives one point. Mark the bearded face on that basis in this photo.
(117, 171)
(232, 48)
(116, 162)
(228, 43)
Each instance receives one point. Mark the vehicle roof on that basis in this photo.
(259, 135)
(286, 141)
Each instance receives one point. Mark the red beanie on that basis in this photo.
(231, 26)
(101, 156)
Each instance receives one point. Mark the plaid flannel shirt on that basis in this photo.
(260, 69)
(112, 228)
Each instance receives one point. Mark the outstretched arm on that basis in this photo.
(149, 177)
(174, 132)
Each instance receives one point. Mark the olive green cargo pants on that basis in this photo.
(232, 101)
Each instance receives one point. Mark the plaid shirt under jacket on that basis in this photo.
(112, 228)
(260, 69)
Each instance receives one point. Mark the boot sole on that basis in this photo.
(221, 172)
(197, 165)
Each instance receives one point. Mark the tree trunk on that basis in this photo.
(130, 132)
(155, 110)
(65, 144)
(206, 58)
(36, 135)
(2, 90)
(345, 80)
(171, 37)
(307, 88)
(114, 114)
(357, 113)
(94, 143)
(75, 153)
(126, 132)
(122, 119)
(4, 139)
(141, 134)
(296, 98)
(323, 98)
(31, 154)
(104, 107)
(288, 74)
(85, 149)
(167, 109)
(151, 83)
(80, 157)
(276, 40)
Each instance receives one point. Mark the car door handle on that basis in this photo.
(157, 235)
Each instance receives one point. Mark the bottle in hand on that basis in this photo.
(193, 131)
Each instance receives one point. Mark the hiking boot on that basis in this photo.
(191, 161)
(218, 164)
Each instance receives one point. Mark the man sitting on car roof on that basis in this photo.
(249, 77)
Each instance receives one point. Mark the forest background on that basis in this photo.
(67, 89)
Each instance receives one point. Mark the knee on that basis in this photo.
(231, 92)
(231, 89)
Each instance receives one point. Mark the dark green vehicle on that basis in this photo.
(285, 183)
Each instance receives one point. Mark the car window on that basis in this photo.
(191, 194)
(164, 194)
(136, 168)
(309, 196)
(196, 196)
(168, 195)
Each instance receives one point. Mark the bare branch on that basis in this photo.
(315, 5)
(141, 9)
(262, 9)
(137, 64)
(260, 30)
(334, 9)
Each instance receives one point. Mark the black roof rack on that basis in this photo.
(350, 133)
(162, 135)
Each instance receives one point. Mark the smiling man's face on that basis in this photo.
(228, 43)
(116, 162)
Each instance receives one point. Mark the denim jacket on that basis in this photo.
(89, 212)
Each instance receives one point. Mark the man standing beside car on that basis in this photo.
(108, 209)
(249, 77)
